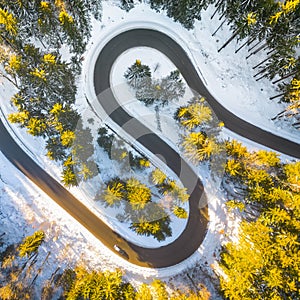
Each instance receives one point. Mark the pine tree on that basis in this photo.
(292, 97)
(144, 293)
(147, 91)
(198, 147)
(270, 272)
(127, 4)
(105, 140)
(182, 11)
(98, 285)
(193, 115)
(292, 172)
(48, 23)
(36, 127)
(236, 149)
(158, 177)
(270, 229)
(234, 168)
(9, 22)
(266, 158)
(160, 291)
(137, 193)
(69, 177)
(137, 74)
(11, 64)
(114, 192)
(180, 212)
(31, 244)
(151, 221)
(169, 89)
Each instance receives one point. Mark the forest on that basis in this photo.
(264, 264)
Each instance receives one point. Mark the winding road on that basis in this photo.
(195, 231)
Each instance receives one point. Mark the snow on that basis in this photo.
(229, 78)
(29, 209)
(110, 169)
(160, 67)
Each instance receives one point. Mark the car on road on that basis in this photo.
(121, 251)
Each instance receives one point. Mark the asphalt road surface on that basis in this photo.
(163, 43)
(195, 231)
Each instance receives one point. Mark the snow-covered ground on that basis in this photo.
(112, 168)
(160, 67)
(227, 75)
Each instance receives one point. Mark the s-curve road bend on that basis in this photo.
(194, 232)
(156, 258)
(160, 41)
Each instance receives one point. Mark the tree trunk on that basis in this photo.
(218, 28)
(296, 125)
(258, 79)
(9, 43)
(277, 96)
(261, 71)
(193, 283)
(268, 53)
(285, 113)
(246, 43)
(266, 59)
(257, 50)
(255, 45)
(262, 47)
(230, 39)
(285, 76)
(217, 5)
(53, 275)
(41, 41)
(59, 37)
(214, 14)
(157, 117)
(279, 115)
(40, 269)
(10, 80)
(222, 15)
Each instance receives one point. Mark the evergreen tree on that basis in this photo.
(292, 172)
(99, 285)
(170, 88)
(147, 92)
(127, 4)
(137, 193)
(105, 140)
(273, 269)
(180, 212)
(182, 11)
(31, 244)
(151, 221)
(270, 237)
(69, 177)
(193, 115)
(198, 146)
(144, 293)
(137, 74)
(8, 27)
(158, 177)
(160, 291)
(114, 192)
